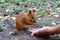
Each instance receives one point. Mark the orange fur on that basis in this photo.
(28, 19)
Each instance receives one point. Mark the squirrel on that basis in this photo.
(28, 19)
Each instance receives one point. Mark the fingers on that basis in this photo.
(34, 29)
(33, 32)
(30, 30)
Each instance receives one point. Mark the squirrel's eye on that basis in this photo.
(32, 17)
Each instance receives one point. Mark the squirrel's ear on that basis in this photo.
(33, 10)
(29, 12)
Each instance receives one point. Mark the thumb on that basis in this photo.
(33, 33)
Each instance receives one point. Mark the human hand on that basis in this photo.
(40, 31)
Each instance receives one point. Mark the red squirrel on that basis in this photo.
(28, 19)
